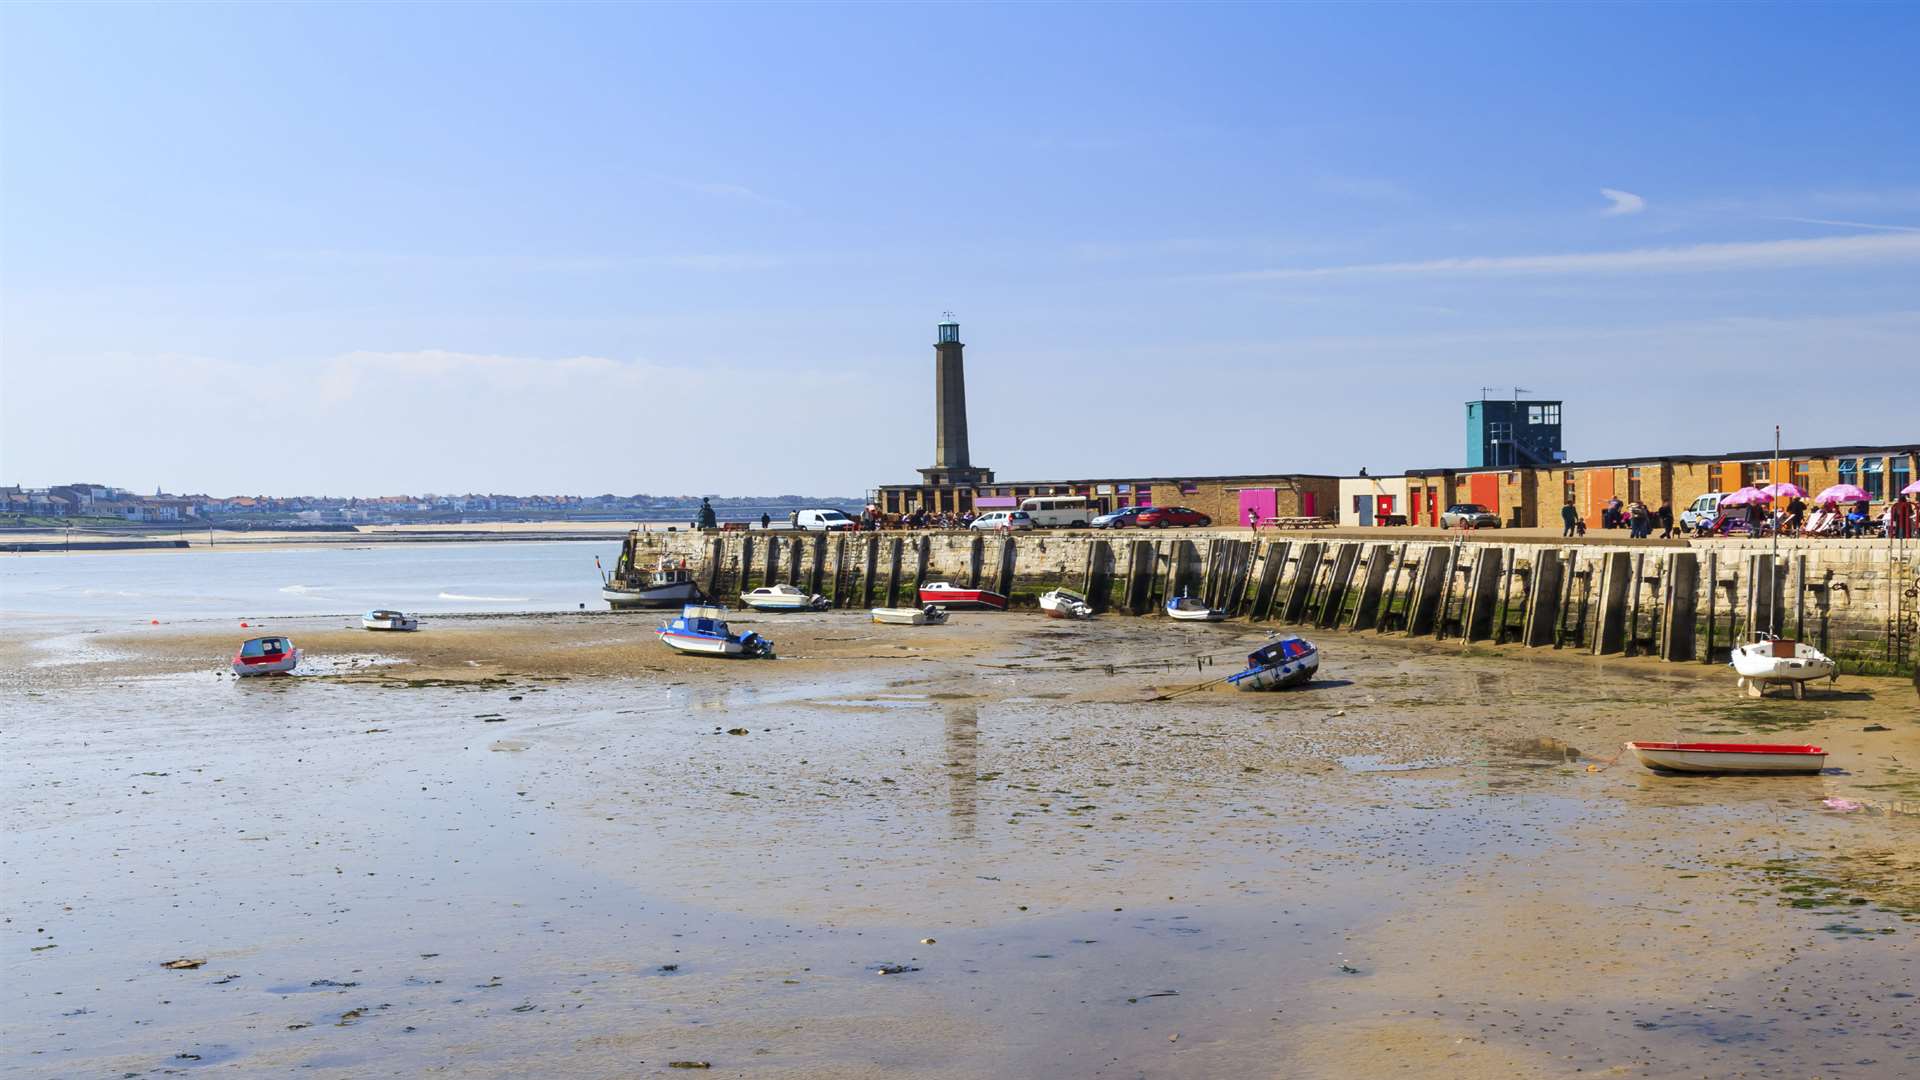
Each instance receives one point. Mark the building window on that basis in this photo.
(1568, 488)
(1849, 471)
(1899, 475)
(1633, 485)
(1803, 476)
(1714, 477)
(1542, 415)
(1873, 476)
(1753, 473)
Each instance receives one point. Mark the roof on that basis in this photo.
(1751, 455)
(1137, 480)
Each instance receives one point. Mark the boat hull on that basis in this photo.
(908, 616)
(401, 625)
(976, 599)
(281, 666)
(1293, 673)
(1733, 759)
(784, 600)
(673, 595)
(1196, 614)
(1057, 606)
(699, 645)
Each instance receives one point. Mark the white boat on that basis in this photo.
(1775, 759)
(702, 629)
(783, 598)
(389, 620)
(910, 616)
(1187, 609)
(1770, 659)
(266, 656)
(1288, 661)
(665, 587)
(1065, 604)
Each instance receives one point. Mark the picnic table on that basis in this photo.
(1294, 523)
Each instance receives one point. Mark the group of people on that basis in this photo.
(1634, 517)
(1900, 520)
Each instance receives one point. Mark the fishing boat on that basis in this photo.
(910, 616)
(1768, 659)
(1776, 759)
(1188, 609)
(702, 629)
(266, 656)
(1285, 662)
(1065, 604)
(667, 586)
(950, 596)
(389, 620)
(783, 598)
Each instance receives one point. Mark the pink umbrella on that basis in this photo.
(1911, 489)
(1841, 493)
(1746, 496)
(1784, 491)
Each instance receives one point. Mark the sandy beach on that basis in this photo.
(543, 844)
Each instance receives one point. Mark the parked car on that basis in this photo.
(1471, 514)
(1162, 516)
(1702, 511)
(1003, 519)
(824, 521)
(1118, 519)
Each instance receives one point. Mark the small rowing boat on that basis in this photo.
(1767, 660)
(1289, 661)
(1188, 609)
(910, 616)
(950, 596)
(702, 630)
(783, 598)
(1065, 604)
(1775, 759)
(266, 656)
(389, 620)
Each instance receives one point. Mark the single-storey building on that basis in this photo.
(1373, 500)
(1226, 499)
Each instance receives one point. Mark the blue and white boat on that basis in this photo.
(1190, 609)
(702, 629)
(1284, 662)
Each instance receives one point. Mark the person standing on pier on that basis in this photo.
(1665, 516)
(1568, 518)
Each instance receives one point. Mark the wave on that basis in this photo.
(486, 599)
(301, 588)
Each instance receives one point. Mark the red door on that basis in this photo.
(1433, 507)
(1382, 508)
(1308, 507)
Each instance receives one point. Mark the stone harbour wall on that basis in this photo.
(1858, 601)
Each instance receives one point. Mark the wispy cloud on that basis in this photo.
(1848, 224)
(740, 192)
(1746, 255)
(1621, 203)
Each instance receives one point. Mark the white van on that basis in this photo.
(1052, 511)
(823, 521)
(1702, 511)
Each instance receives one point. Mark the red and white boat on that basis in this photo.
(946, 595)
(266, 656)
(1776, 759)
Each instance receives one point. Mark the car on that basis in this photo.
(1118, 519)
(1162, 516)
(824, 520)
(1472, 515)
(1003, 519)
(1701, 512)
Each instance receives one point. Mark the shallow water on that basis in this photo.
(494, 878)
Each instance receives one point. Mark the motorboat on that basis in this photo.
(266, 656)
(783, 598)
(950, 596)
(702, 629)
(1776, 759)
(389, 620)
(1065, 604)
(667, 586)
(1284, 662)
(1769, 659)
(910, 616)
(1189, 609)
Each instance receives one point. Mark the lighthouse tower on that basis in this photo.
(952, 462)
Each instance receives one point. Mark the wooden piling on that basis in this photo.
(1304, 574)
(1333, 604)
(1366, 608)
(1540, 627)
(893, 572)
(1273, 562)
(976, 555)
(870, 571)
(1009, 553)
(1140, 567)
(1385, 621)
(840, 578)
(1682, 587)
(1097, 582)
(1483, 595)
(817, 571)
(1508, 558)
(1423, 605)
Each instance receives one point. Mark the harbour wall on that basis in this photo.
(1858, 601)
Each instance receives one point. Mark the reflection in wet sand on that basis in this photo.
(962, 729)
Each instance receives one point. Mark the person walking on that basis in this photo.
(1796, 515)
(1903, 519)
(1665, 515)
(1637, 521)
(765, 521)
(1568, 518)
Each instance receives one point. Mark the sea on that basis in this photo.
(490, 576)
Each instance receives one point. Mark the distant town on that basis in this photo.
(102, 504)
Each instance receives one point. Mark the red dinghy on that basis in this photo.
(1776, 759)
(945, 595)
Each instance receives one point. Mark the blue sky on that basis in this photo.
(669, 249)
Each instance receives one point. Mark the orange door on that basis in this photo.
(1484, 488)
(1599, 491)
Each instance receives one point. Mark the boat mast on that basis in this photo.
(1773, 600)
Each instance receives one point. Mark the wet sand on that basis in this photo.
(529, 845)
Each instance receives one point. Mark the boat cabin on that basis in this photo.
(265, 648)
(378, 616)
(1278, 652)
(675, 575)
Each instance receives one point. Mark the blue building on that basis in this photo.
(1513, 434)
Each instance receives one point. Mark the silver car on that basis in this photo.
(1470, 514)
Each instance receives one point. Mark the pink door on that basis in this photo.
(1259, 501)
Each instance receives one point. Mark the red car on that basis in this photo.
(1163, 516)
